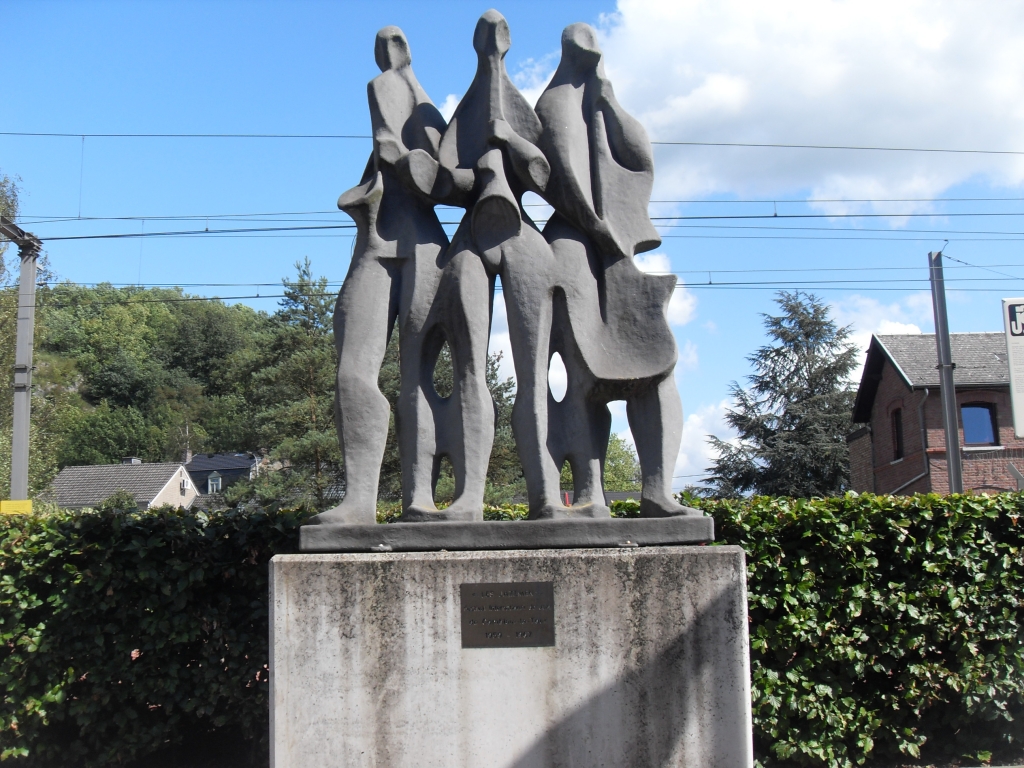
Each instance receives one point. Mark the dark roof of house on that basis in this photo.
(88, 486)
(207, 462)
(980, 360)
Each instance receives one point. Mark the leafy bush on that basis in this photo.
(881, 627)
(121, 632)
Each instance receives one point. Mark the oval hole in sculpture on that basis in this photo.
(558, 379)
(444, 373)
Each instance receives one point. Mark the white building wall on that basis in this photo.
(173, 494)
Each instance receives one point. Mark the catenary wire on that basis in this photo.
(55, 217)
(744, 144)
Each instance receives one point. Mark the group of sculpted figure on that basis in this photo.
(571, 288)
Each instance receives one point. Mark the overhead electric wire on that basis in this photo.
(45, 218)
(759, 145)
(828, 238)
(54, 134)
(662, 219)
(770, 270)
(719, 286)
(850, 200)
(850, 284)
(974, 266)
(744, 144)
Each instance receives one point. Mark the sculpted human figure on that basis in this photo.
(610, 327)
(573, 289)
(394, 275)
(488, 159)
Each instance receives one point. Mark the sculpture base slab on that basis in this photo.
(520, 534)
(649, 664)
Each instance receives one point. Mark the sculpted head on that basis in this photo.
(492, 35)
(391, 49)
(579, 46)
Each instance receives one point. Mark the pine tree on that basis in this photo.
(794, 417)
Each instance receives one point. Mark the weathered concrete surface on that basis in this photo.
(649, 667)
(563, 533)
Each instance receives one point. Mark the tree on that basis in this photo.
(504, 471)
(621, 468)
(793, 419)
(9, 209)
(294, 389)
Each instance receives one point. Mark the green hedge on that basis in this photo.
(123, 632)
(881, 627)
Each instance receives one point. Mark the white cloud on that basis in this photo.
(447, 108)
(867, 315)
(695, 454)
(688, 359)
(916, 73)
(682, 307)
(532, 75)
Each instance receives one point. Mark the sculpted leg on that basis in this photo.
(363, 317)
(580, 423)
(528, 301)
(464, 422)
(417, 442)
(587, 460)
(470, 331)
(656, 419)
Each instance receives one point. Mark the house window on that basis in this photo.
(979, 423)
(897, 434)
(213, 483)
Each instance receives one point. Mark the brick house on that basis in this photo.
(901, 447)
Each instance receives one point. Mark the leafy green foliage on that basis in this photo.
(883, 629)
(9, 192)
(119, 501)
(793, 420)
(155, 373)
(121, 632)
(621, 468)
(504, 472)
(124, 371)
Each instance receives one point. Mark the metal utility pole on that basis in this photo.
(28, 250)
(946, 366)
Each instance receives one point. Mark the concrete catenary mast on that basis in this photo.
(28, 250)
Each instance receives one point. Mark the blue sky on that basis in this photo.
(925, 75)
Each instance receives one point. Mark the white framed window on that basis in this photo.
(213, 483)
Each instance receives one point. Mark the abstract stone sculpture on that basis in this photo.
(572, 289)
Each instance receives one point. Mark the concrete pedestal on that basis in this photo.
(649, 665)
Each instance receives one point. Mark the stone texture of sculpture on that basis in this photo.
(393, 276)
(618, 344)
(572, 289)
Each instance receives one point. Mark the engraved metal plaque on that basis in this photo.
(513, 615)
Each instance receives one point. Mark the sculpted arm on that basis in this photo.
(626, 136)
(528, 161)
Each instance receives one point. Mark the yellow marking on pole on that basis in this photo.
(9, 507)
